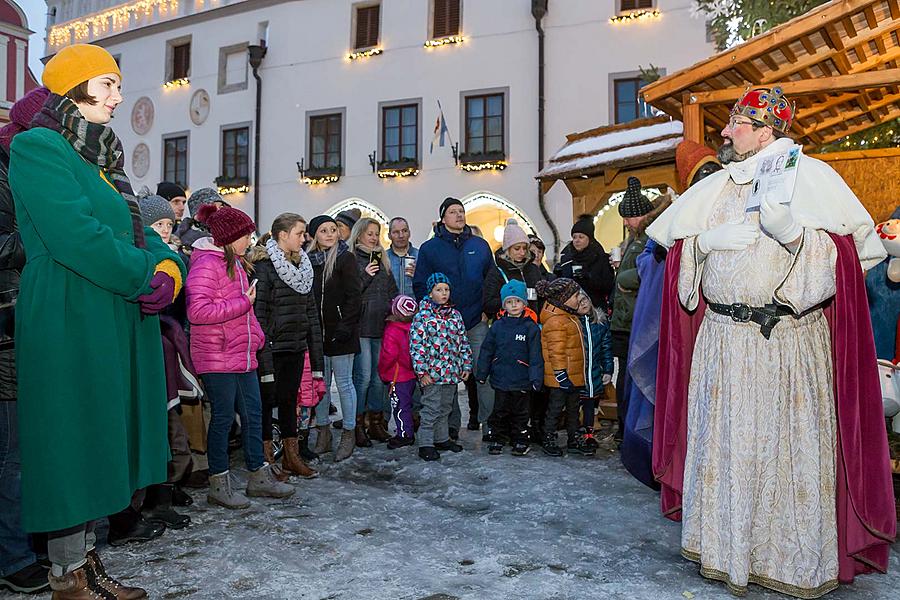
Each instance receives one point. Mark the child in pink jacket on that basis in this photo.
(395, 368)
(225, 336)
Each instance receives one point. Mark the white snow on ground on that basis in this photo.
(386, 525)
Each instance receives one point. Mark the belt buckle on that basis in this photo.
(740, 313)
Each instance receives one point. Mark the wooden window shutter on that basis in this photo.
(446, 18)
(367, 26)
(644, 3)
(634, 4)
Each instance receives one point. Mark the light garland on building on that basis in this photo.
(494, 165)
(407, 172)
(641, 15)
(365, 53)
(107, 21)
(176, 83)
(241, 189)
(453, 39)
(324, 180)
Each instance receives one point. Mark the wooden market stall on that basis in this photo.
(839, 62)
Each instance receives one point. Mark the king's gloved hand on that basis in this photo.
(776, 219)
(728, 236)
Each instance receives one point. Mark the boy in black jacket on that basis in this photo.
(511, 357)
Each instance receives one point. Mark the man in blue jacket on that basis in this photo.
(466, 259)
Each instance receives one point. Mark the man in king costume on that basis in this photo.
(769, 438)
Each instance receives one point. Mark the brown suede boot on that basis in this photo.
(378, 427)
(323, 440)
(362, 438)
(80, 584)
(269, 456)
(345, 448)
(292, 463)
(119, 591)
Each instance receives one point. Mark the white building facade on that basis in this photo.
(190, 96)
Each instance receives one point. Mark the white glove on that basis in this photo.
(728, 236)
(606, 379)
(777, 220)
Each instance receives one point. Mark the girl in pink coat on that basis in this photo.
(225, 337)
(395, 368)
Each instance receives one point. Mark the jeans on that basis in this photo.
(15, 551)
(67, 548)
(437, 399)
(342, 368)
(366, 382)
(288, 367)
(227, 392)
(476, 337)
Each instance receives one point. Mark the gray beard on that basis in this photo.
(726, 154)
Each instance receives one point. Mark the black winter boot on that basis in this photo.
(551, 448)
(429, 453)
(399, 442)
(303, 442)
(158, 507)
(181, 498)
(449, 445)
(520, 448)
(129, 526)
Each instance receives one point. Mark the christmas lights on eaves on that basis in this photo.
(492, 165)
(365, 53)
(324, 180)
(393, 173)
(175, 83)
(641, 15)
(108, 21)
(452, 39)
(241, 189)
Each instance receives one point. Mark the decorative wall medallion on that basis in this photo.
(140, 160)
(142, 115)
(199, 107)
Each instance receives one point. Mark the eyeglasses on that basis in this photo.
(734, 122)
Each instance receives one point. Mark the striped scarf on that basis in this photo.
(96, 144)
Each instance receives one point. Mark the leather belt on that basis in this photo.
(765, 316)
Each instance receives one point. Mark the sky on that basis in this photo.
(36, 11)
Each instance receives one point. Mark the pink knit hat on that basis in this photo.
(21, 114)
(513, 234)
(403, 306)
(226, 224)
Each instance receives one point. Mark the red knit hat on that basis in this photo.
(689, 157)
(21, 114)
(226, 224)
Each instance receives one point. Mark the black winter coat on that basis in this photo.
(591, 269)
(338, 300)
(377, 293)
(289, 319)
(504, 271)
(12, 259)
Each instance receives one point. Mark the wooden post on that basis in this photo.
(692, 117)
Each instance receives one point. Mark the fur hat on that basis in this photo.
(75, 64)
(447, 203)
(21, 114)
(436, 278)
(689, 157)
(169, 190)
(154, 208)
(513, 234)
(317, 222)
(585, 225)
(403, 306)
(203, 196)
(557, 291)
(514, 289)
(226, 224)
(634, 204)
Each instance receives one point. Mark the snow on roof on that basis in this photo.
(632, 143)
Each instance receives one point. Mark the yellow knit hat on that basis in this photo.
(76, 64)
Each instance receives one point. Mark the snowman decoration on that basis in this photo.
(889, 371)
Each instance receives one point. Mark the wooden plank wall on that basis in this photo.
(873, 175)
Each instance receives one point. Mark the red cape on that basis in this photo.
(866, 513)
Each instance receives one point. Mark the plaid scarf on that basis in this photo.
(96, 144)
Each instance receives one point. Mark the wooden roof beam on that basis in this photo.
(894, 7)
(852, 114)
(862, 127)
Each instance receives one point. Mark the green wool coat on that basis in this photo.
(92, 392)
(627, 283)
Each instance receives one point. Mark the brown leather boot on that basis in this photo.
(378, 427)
(269, 456)
(362, 438)
(116, 589)
(292, 463)
(80, 584)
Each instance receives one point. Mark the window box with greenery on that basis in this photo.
(480, 161)
(316, 175)
(232, 185)
(405, 167)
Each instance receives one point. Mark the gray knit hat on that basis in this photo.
(154, 208)
(203, 196)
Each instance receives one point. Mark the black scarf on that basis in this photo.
(96, 144)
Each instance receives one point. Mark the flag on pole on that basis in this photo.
(440, 130)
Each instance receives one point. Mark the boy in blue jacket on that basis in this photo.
(598, 367)
(511, 356)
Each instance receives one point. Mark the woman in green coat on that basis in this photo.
(92, 397)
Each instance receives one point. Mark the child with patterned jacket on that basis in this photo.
(395, 369)
(511, 357)
(441, 358)
(598, 366)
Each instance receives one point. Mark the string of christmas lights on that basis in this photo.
(107, 21)
(365, 53)
(641, 15)
(225, 191)
(176, 83)
(453, 39)
(495, 165)
(390, 173)
(324, 180)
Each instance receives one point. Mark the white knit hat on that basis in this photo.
(513, 234)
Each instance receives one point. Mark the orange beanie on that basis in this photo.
(689, 157)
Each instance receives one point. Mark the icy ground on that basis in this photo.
(386, 525)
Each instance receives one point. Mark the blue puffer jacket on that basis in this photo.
(511, 355)
(465, 259)
(598, 356)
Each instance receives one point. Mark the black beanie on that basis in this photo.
(634, 204)
(585, 225)
(317, 222)
(447, 203)
(169, 190)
